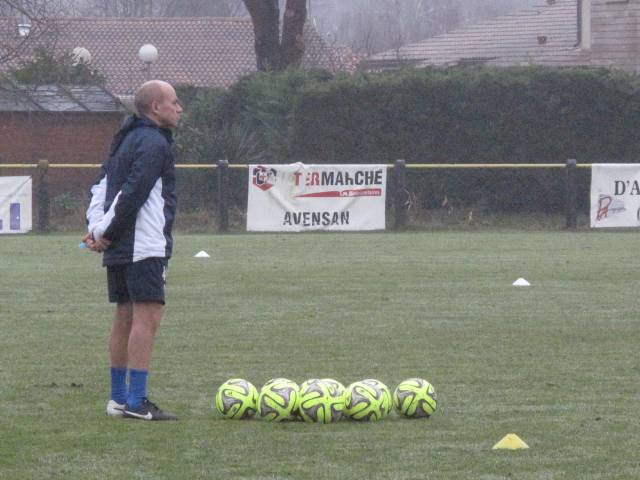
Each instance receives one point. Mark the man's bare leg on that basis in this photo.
(119, 340)
(146, 320)
(118, 345)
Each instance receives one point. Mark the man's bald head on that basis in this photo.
(157, 100)
(149, 92)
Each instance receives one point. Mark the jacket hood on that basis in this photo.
(131, 123)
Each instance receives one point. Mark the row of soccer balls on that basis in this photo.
(324, 400)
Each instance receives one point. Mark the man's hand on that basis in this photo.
(89, 241)
(102, 244)
(96, 245)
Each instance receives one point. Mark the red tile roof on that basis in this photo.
(203, 51)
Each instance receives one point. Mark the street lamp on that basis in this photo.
(24, 29)
(80, 59)
(148, 54)
(81, 55)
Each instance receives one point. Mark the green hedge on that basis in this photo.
(514, 115)
(475, 115)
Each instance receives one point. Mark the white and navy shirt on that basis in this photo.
(133, 203)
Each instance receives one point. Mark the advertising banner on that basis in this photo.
(615, 195)
(298, 197)
(15, 204)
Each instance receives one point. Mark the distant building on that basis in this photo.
(557, 33)
(61, 124)
(52, 122)
(204, 52)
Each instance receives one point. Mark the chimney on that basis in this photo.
(584, 24)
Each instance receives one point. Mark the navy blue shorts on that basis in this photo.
(141, 281)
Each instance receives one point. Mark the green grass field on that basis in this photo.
(556, 363)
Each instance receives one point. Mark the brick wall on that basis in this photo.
(59, 138)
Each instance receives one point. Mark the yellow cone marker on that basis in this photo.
(511, 441)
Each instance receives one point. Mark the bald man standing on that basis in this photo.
(129, 220)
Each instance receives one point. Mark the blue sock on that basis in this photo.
(137, 387)
(119, 384)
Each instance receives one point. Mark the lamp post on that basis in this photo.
(148, 54)
(24, 29)
(81, 58)
(81, 55)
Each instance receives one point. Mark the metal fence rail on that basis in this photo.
(222, 167)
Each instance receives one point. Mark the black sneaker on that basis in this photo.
(147, 411)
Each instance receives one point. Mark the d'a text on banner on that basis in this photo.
(615, 195)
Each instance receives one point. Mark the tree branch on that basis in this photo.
(295, 16)
(43, 27)
(265, 15)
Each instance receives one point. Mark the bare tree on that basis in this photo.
(376, 25)
(26, 23)
(273, 54)
(295, 16)
(371, 26)
(198, 8)
(159, 8)
(265, 15)
(118, 8)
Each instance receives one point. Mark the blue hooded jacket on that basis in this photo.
(133, 202)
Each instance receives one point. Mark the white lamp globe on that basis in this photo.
(81, 55)
(148, 53)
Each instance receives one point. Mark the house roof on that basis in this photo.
(543, 35)
(204, 51)
(56, 98)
